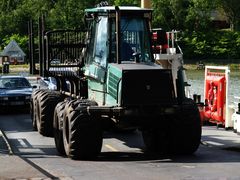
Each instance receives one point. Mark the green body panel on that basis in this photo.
(96, 91)
(96, 83)
(104, 93)
(114, 85)
(95, 71)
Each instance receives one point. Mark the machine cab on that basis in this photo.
(118, 36)
(118, 55)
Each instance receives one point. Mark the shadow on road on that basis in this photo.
(14, 110)
(222, 149)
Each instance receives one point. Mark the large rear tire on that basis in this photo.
(82, 133)
(157, 139)
(46, 103)
(58, 127)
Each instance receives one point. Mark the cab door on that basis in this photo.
(96, 62)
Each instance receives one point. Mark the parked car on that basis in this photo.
(15, 91)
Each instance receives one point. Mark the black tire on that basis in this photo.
(46, 103)
(82, 133)
(181, 134)
(58, 127)
(188, 131)
(157, 139)
(33, 105)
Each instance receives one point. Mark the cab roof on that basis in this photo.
(109, 9)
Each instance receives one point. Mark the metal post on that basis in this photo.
(31, 48)
(30, 45)
(118, 35)
(40, 45)
(43, 46)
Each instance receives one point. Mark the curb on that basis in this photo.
(10, 151)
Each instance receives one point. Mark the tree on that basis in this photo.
(232, 11)
(127, 2)
(21, 40)
(170, 14)
(199, 15)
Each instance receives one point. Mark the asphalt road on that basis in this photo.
(35, 157)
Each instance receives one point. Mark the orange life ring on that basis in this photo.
(215, 97)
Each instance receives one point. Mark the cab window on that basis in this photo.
(98, 47)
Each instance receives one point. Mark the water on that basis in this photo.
(196, 79)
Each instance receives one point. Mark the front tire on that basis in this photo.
(189, 130)
(82, 133)
(157, 139)
(180, 134)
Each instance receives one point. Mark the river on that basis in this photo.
(196, 80)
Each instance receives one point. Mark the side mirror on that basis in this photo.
(137, 56)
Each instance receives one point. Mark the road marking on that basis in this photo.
(189, 167)
(111, 148)
(214, 143)
(22, 143)
(10, 151)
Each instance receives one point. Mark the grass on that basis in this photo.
(18, 69)
(233, 67)
(24, 68)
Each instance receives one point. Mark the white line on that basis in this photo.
(111, 148)
(7, 142)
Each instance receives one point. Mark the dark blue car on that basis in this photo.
(15, 91)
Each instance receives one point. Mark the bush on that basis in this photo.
(211, 45)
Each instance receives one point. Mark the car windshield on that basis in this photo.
(14, 83)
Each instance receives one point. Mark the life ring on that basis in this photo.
(215, 97)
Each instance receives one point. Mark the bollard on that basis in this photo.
(198, 98)
(195, 98)
(238, 112)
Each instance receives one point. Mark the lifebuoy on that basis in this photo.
(215, 97)
(220, 100)
(210, 95)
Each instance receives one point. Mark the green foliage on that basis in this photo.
(127, 2)
(193, 17)
(21, 40)
(231, 9)
(213, 45)
(182, 14)
(199, 15)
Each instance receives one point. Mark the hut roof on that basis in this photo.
(13, 49)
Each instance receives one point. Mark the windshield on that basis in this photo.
(134, 43)
(14, 83)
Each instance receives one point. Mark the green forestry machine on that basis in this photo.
(107, 76)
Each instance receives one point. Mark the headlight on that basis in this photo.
(5, 98)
